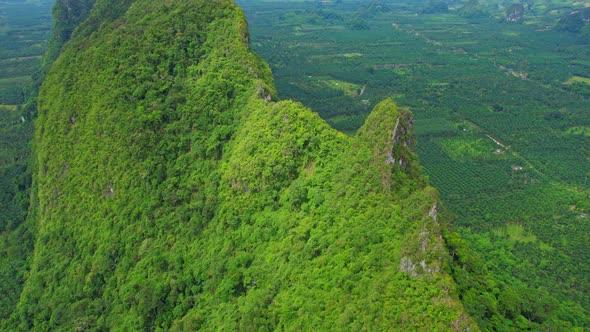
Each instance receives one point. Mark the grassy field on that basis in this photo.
(578, 79)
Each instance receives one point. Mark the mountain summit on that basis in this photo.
(173, 192)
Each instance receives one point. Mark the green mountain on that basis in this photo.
(16, 131)
(172, 192)
(15, 246)
(67, 15)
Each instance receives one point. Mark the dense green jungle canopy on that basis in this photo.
(171, 192)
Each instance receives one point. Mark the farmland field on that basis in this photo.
(24, 31)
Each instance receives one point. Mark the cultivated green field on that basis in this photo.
(24, 30)
(502, 113)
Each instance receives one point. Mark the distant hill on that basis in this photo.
(515, 13)
(577, 21)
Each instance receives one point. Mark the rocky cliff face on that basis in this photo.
(173, 193)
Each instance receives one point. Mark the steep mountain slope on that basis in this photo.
(14, 185)
(67, 15)
(16, 133)
(172, 192)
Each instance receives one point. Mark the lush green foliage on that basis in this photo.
(23, 33)
(171, 193)
(501, 111)
(15, 134)
(575, 21)
(472, 9)
(67, 15)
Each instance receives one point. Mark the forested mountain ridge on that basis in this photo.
(493, 102)
(171, 192)
(67, 15)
